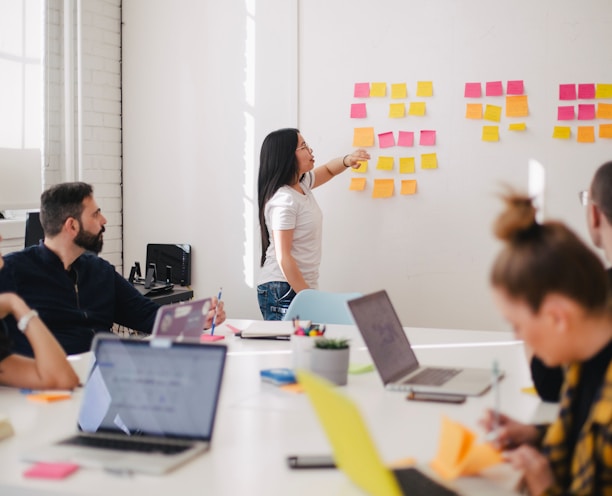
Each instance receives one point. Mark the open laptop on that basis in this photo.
(354, 450)
(181, 321)
(395, 359)
(147, 406)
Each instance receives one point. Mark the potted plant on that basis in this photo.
(330, 359)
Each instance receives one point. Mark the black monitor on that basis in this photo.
(33, 229)
(174, 260)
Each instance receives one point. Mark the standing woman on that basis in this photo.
(290, 219)
(554, 292)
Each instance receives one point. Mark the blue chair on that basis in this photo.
(321, 307)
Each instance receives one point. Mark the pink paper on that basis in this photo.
(386, 140)
(473, 90)
(428, 138)
(362, 90)
(50, 470)
(494, 88)
(565, 113)
(586, 91)
(406, 138)
(586, 112)
(358, 111)
(567, 92)
(515, 87)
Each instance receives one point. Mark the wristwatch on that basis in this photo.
(22, 325)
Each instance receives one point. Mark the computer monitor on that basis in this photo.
(33, 229)
(177, 257)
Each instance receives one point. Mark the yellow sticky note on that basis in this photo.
(604, 110)
(409, 187)
(378, 89)
(586, 134)
(416, 108)
(398, 90)
(517, 106)
(529, 390)
(424, 88)
(406, 165)
(383, 188)
(562, 132)
(357, 184)
(385, 163)
(473, 110)
(429, 161)
(363, 167)
(490, 133)
(292, 388)
(605, 130)
(397, 110)
(363, 136)
(517, 126)
(603, 91)
(492, 113)
(49, 397)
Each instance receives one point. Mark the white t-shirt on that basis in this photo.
(289, 209)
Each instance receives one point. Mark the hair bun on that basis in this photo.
(518, 218)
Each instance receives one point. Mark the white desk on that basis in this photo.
(258, 425)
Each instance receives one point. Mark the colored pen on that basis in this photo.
(212, 327)
(492, 436)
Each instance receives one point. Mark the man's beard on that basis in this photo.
(91, 242)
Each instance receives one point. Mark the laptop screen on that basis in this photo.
(384, 335)
(153, 388)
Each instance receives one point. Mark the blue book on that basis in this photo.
(278, 376)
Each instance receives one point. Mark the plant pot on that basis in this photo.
(331, 364)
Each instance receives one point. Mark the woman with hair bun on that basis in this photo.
(554, 292)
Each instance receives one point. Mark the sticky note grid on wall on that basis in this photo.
(405, 147)
(577, 102)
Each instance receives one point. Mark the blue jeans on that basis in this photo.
(274, 299)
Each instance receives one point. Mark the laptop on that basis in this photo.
(395, 359)
(147, 406)
(181, 321)
(354, 450)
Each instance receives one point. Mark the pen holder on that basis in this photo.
(302, 347)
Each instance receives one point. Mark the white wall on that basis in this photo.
(197, 106)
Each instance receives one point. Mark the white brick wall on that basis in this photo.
(100, 110)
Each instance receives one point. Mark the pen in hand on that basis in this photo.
(212, 327)
(492, 436)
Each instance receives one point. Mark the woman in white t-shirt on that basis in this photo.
(290, 219)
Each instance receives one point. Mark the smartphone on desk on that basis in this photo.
(311, 461)
(431, 396)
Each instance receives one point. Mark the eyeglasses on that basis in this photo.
(304, 145)
(583, 196)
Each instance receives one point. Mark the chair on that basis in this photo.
(321, 307)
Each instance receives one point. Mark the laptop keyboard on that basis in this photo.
(432, 376)
(413, 482)
(126, 445)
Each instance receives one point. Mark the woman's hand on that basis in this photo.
(508, 433)
(354, 158)
(535, 467)
(10, 304)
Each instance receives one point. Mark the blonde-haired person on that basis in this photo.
(554, 292)
(49, 369)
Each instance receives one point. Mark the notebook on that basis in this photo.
(354, 450)
(395, 359)
(147, 406)
(181, 321)
(269, 329)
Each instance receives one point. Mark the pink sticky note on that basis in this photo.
(586, 112)
(567, 92)
(207, 338)
(405, 138)
(386, 140)
(494, 88)
(428, 138)
(515, 87)
(358, 111)
(586, 91)
(565, 113)
(362, 90)
(473, 90)
(50, 470)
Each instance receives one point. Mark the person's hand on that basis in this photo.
(354, 158)
(537, 473)
(508, 433)
(219, 308)
(9, 303)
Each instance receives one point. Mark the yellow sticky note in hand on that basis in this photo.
(459, 454)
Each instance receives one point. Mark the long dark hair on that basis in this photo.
(277, 167)
(601, 189)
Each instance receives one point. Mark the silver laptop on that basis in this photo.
(182, 321)
(395, 359)
(147, 406)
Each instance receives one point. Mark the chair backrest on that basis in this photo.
(321, 307)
